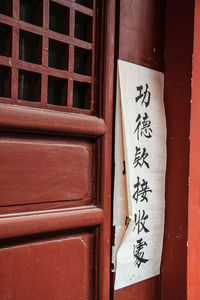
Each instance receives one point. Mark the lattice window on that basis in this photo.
(48, 53)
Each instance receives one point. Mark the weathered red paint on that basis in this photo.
(47, 121)
(193, 265)
(32, 223)
(57, 268)
(141, 41)
(50, 177)
(141, 32)
(55, 245)
(178, 72)
(145, 290)
(107, 150)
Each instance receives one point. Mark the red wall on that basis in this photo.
(194, 185)
(148, 31)
(178, 72)
(140, 39)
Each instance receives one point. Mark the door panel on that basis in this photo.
(38, 170)
(59, 268)
(56, 153)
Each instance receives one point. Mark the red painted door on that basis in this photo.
(56, 105)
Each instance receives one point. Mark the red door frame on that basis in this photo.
(178, 74)
(140, 38)
(180, 272)
(193, 262)
(107, 144)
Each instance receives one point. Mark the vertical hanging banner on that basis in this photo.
(140, 166)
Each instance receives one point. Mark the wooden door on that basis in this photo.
(56, 105)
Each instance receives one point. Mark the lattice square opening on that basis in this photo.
(83, 61)
(5, 82)
(31, 11)
(6, 7)
(6, 40)
(59, 18)
(30, 47)
(57, 91)
(83, 27)
(82, 95)
(29, 86)
(88, 3)
(51, 56)
(58, 55)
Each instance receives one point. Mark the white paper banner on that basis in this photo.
(140, 165)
